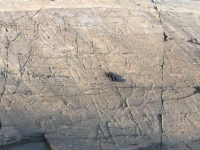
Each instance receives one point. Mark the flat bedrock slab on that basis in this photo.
(54, 93)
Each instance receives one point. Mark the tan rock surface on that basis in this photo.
(54, 91)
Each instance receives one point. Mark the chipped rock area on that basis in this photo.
(54, 93)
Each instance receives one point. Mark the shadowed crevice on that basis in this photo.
(194, 40)
(36, 138)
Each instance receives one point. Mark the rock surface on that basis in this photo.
(54, 93)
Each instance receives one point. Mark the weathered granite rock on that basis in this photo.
(54, 91)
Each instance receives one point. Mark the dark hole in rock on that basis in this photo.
(165, 36)
(114, 77)
(197, 88)
(48, 76)
(3, 73)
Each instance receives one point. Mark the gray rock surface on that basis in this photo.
(54, 93)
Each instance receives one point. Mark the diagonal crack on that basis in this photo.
(110, 9)
(160, 116)
(5, 72)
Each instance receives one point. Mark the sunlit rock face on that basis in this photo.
(58, 60)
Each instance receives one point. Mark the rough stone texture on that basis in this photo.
(54, 91)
